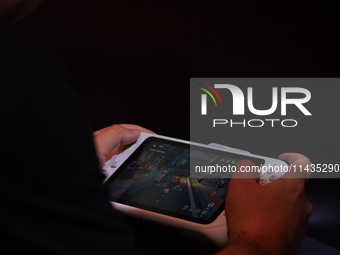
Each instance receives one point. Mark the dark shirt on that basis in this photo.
(52, 200)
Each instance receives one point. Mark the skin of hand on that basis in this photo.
(107, 140)
(268, 219)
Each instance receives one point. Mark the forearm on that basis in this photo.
(245, 248)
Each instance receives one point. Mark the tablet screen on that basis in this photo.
(156, 177)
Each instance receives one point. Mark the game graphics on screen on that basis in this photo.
(159, 178)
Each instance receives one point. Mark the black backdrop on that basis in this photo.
(131, 62)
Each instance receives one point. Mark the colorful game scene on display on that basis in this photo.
(156, 178)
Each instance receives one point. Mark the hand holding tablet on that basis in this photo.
(152, 180)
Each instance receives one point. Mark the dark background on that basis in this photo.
(131, 62)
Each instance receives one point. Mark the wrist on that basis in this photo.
(254, 246)
(245, 248)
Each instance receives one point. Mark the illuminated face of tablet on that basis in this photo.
(156, 178)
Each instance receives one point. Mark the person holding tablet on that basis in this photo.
(51, 192)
